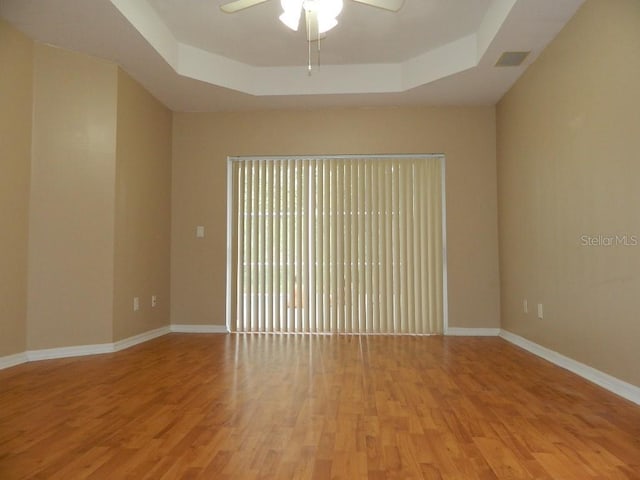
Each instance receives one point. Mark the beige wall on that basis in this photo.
(72, 200)
(143, 210)
(202, 142)
(16, 59)
(568, 143)
(85, 200)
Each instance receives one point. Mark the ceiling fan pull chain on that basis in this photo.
(318, 49)
(308, 44)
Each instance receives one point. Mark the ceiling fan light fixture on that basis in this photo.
(320, 15)
(325, 11)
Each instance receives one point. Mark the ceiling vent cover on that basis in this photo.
(511, 59)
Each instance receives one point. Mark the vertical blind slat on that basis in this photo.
(363, 261)
(253, 240)
(396, 240)
(375, 258)
(240, 245)
(387, 262)
(261, 244)
(368, 247)
(290, 245)
(335, 254)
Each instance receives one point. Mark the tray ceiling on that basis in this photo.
(193, 57)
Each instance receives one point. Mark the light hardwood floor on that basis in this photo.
(312, 407)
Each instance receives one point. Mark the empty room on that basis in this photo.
(319, 239)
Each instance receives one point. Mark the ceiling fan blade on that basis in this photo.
(238, 5)
(391, 5)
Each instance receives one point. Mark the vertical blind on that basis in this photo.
(348, 245)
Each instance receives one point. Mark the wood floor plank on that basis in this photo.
(243, 407)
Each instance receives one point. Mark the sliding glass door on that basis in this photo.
(336, 244)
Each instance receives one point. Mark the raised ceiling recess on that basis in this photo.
(193, 56)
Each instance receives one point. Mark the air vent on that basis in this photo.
(511, 59)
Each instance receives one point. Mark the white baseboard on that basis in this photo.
(13, 360)
(472, 332)
(140, 338)
(81, 350)
(63, 352)
(606, 381)
(178, 328)
(101, 348)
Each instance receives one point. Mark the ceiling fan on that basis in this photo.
(320, 15)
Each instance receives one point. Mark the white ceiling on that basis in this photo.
(193, 57)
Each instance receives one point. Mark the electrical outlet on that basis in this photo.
(154, 300)
(540, 315)
(136, 304)
(525, 306)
